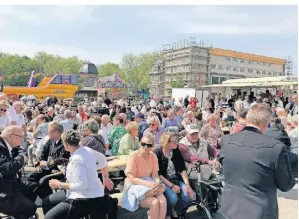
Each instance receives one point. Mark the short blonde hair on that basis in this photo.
(154, 119)
(150, 137)
(132, 126)
(259, 114)
(165, 137)
(212, 117)
(4, 104)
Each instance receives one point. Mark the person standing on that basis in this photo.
(254, 166)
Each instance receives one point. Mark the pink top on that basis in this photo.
(141, 167)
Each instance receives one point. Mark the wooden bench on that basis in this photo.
(122, 213)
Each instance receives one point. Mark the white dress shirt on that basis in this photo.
(104, 131)
(67, 124)
(82, 175)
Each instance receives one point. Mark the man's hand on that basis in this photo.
(108, 183)
(43, 163)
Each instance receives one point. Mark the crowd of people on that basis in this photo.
(254, 140)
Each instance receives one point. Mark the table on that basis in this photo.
(117, 163)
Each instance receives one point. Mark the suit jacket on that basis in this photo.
(254, 166)
(54, 154)
(10, 167)
(279, 135)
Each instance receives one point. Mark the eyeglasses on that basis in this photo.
(152, 124)
(21, 136)
(147, 145)
(176, 141)
(3, 110)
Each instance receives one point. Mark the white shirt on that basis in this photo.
(82, 175)
(18, 118)
(104, 131)
(4, 122)
(67, 124)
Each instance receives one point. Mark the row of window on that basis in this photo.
(249, 70)
(247, 61)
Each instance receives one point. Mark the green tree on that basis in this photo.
(108, 68)
(137, 68)
(178, 82)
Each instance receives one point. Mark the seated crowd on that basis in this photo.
(67, 146)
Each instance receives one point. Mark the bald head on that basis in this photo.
(12, 135)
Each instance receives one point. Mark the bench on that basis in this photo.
(122, 213)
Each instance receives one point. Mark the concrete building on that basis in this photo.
(201, 65)
(227, 64)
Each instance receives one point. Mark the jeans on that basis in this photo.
(173, 201)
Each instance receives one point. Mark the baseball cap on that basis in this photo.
(191, 129)
(139, 115)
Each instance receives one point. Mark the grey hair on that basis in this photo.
(92, 125)
(259, 114)
(67, 114)
(57, 126)
(71, 138)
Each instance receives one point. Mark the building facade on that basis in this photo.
(200, 65)
(227, 64)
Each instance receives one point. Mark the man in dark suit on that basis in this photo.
(16, 198)
(255, 166)
(53, 154)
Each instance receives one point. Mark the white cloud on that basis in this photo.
(232, 20)
(60, 16)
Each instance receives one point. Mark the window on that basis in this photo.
(228, 59)
(258, 71)
(275, 73)
(264, 63)
(258, 63)
(250, 70)
(215, 80)
(222, 79)
(235, 59)
(220, 67)
(235, 69)
(269, 73)
(280, 74)
(241, 60)
(250, 62)
(264, 72)
(56, 80)
(242, 70)
(228, 68)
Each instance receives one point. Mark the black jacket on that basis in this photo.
(177, 159)
(54, 154)
(279, 135)
(10, 167)
(254, 166)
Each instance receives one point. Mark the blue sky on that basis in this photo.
(105, 33)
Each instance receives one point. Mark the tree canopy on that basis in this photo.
(17, 69)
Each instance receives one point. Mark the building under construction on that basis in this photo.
(200, 65)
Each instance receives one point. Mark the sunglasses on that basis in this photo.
(3, 110)
(146, 145)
